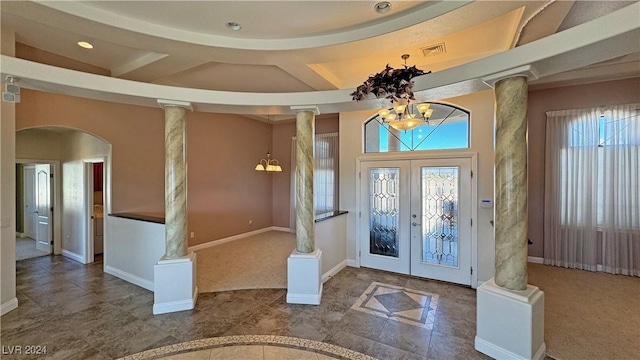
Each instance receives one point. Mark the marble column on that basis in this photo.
(510, 313)
(304, 265)
(175, 186)
(511, 183)
(305, 217)
(174, 276)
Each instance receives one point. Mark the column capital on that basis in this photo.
(527, 71)
(313, 108)
(183, 104)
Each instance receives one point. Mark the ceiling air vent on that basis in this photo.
(434, 50)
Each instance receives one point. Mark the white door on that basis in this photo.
(415, 217)
(384, 210)
(30, 207)
(44, 209)
(441, 219)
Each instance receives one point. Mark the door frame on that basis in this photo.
(25, 214)
(473, 156)
(56, 199)
(89, 256)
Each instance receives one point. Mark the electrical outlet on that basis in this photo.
(192, 235)
(250, 222)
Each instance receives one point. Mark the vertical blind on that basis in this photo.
(325, 176)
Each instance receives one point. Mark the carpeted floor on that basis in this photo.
(589, 315)
(255, 262)
(26, 249)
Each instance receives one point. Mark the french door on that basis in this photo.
(415, 217)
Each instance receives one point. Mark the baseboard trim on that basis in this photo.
(352, 263)
(331, 273)
(136, 280)
(283, 229)
(235, 237)
(497, 352)
(73, 256)
(535, 260)
(175, 306)
(8, 306)
(305, 299)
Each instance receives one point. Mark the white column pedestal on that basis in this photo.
(510, 324)
(304, 274)
(175, 286)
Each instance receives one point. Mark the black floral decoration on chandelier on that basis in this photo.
(390, 83)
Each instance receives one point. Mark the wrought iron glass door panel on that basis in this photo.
(384, 203)
(440, 215)
(384, 211)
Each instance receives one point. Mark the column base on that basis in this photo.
(304, 278)
(175, 286)
(510, 324)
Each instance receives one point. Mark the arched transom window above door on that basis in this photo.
(446, 128)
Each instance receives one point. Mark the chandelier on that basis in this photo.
(404, 115)
(268, 164)
(396, 85)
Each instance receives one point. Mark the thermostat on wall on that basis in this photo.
(486, 203)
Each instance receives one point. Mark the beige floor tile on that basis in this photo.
(196, 355)
(245, 352)
(283, 353)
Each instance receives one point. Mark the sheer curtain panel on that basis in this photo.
(592, 202)
(621, 191)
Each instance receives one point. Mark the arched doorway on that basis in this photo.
(76, 163)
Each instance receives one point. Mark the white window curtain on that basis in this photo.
(325, 176)
(592, 198)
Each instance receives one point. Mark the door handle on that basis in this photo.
(415, 224)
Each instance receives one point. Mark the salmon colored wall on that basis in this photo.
(282, 134)
(571, 97)
(224, 192)
(135, 133)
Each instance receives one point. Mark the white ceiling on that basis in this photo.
(295, 46)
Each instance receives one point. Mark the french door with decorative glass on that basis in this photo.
(415, 217)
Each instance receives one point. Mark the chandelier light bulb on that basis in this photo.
(422, 108)
(399, 107)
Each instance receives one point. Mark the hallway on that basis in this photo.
(79, 312)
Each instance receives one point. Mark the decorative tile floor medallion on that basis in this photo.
(408, 306)
(314, 349)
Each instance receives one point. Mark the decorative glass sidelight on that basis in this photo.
(384, 211)
(440, 215)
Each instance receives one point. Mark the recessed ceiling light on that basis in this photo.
(85, 45)
(234, 26)
(382, 7)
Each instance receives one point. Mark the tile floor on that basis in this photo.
(79, 312)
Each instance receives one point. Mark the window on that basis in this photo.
(448, 128)
(592, 189)
(325, 176)
(594, 141)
